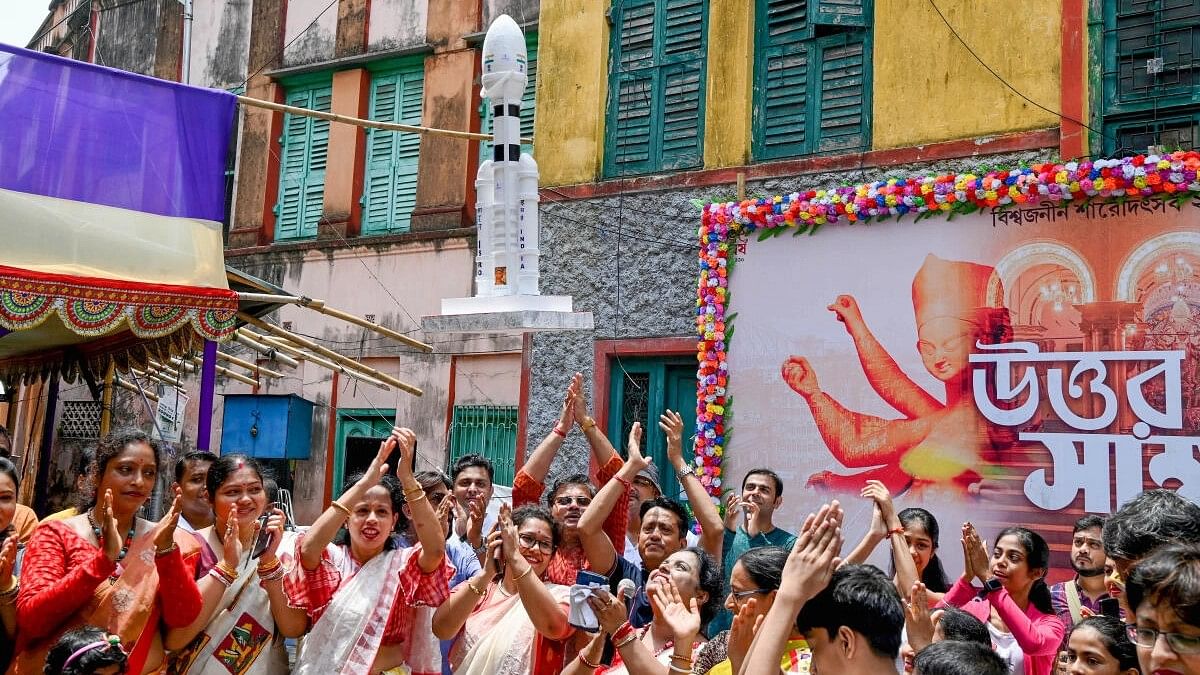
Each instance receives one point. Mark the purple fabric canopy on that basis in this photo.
(74, 130)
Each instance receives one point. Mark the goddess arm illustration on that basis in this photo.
(934, 443)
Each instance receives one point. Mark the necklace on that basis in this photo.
(669, 644)
(124, 549)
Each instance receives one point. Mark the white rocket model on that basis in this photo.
(506, 257)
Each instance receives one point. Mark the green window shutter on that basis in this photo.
(840, 13)
(390, 181)
(842, 94)
(781, 77)
(656, 100)
(486, 430)
(305, 146)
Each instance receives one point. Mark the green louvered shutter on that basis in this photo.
(781, 80)
(390, 182)
(486, 430)
(528, 104)
(656, 100)
(840, 13)
(305, 147)
(842, 94)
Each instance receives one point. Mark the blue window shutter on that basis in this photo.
(390, 183)
(843, 94)
(840, 13)
(305, 145)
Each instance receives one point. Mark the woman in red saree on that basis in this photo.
(108, 568)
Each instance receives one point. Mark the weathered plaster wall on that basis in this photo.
(651, 268)
(220, 43)
(128, 37)
(315, 43)
(522, 11)
(396, 23)
(728, 96)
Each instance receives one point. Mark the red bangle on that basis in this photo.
(622, 631)
(624, 482)
(896, 530)
(559, 431)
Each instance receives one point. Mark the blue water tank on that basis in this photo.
(267, 426)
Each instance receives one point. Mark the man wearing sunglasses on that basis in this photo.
(1164, 594)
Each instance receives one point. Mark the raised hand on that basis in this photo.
(750, 511)
(379, 467)
(976, 561)
(8, 560)
(111, 535)
(579, 403)
(741, 634)
(443, 514)
(918, 622)
(814, 556)
(231, 542)
(164, 532)
(878, 492)
(672, 425)
(491, 557)
(509, 536)
(610, 610)
(634, 448)
(847, 311)
(798, 373)
(406, 439)
(275, 524)
(683, 618)
(476, 512)
(733, 509)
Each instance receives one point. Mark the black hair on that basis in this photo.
(1088, 522)
(110, 447)
(468, 461)
(7, 468)
(427, 480)
(951, 657)
(196, 456)
(581, 479)
(959, 625)
(764, 566)
(763, 471)
(535, 512)
(1170, 576)
(87, 457)
(225, 466)
(671, 505)
(711, 582)
(1149, 520)
(1037, 557)
(395, 492)
(88, 662)
(934, 575)
(863, 599)
(1115, 638)
(6, 446)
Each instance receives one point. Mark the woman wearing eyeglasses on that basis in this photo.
(1164, 594)
(752, 586)
(511, 621)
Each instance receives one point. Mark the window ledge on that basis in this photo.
(333, 244)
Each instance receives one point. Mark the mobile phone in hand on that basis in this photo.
(263, 540)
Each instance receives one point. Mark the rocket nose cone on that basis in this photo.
(504, 37)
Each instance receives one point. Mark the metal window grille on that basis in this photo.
(80, 419)
(487, 430)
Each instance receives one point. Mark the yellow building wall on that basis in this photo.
(928, 87)
(568, 129)
(728, 98)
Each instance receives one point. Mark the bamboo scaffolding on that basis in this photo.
(359, 321)
(359, 122)
(252, 367)
(129, 386)
(246, 338)
(324, 363)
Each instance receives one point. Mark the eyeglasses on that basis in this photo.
(1179, 643)
(738, 596)
(530, 543)
(567, 500)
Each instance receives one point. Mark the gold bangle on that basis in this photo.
(587, 424)
(165, 551)
(340, 507)
(630, 638)
(227, 571)
(414, 500)
(523, 574)
(476, 591)
(587, 663)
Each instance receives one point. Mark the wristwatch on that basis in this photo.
(587, 423)
(688, 470)
(992, 585)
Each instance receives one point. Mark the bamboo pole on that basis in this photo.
(324, 363)
(359, 321)
(252, 367)
(248, 339)
(272, 298)
(154, 375)
(110, 374)
(129, 386)
(359, 122)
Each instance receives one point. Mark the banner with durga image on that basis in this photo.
(1016, 367)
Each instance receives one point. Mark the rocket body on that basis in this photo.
(506, 184)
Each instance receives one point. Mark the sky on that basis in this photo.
(20, 19)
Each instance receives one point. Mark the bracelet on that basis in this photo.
(414, 500)
(587, 663)
(522, 575)
(622, 630)
(680, 657)
(273, 575)
(6, 597)
(899, 529)
(340, 507)
(622, 481)
(166, 551)
(587, 424)
(220, 576)
(630, 638)
(676, 669)
(476, 591)
(688, 470)
(226, 570)
(268, 568)
(558, 431)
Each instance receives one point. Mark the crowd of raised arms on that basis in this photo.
(410, 572)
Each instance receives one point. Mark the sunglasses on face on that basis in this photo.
(566, 500)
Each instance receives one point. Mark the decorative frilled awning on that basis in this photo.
(113, 246)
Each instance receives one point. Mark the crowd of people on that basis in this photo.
(409, 572)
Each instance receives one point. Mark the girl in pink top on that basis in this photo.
(1015, 601)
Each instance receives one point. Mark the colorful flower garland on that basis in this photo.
(1170, 176)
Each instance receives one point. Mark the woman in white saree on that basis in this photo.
(245, 615)
(370, 600)
(511, 622)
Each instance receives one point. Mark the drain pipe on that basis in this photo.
(186, 70)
